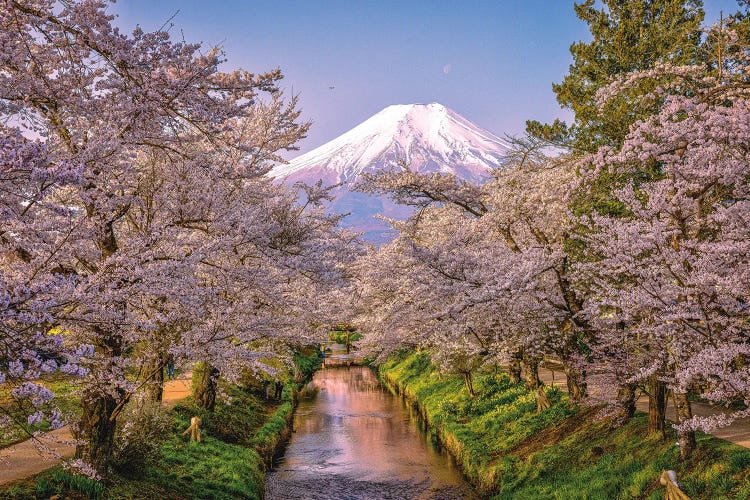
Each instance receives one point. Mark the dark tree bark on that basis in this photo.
(514, 368)
(576, 380)
(155, 386)
(625, 404)
(542, 401)
(469, 384)
(686, 439)
(206, 382)
(96, 428)
(531, 373)
(98, 431)
(657, 406)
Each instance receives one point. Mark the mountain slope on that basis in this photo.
(429, 137)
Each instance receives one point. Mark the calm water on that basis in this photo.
(354, 440)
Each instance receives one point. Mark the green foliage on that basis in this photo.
(234, 422)
(268, 434)
(307, 362)
(229, 461)
(508, 450)
(209, 469)
(340, 336)
(739, 460)
(59, 481)
(275, 431)
(473, 429)
(199, 370)
(448, 409)
(221, 466)
(141, 429)
(277, 427)
(627, 36)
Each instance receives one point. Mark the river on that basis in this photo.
(353, 439)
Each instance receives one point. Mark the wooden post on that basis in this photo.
(194, 429)
(668, 478)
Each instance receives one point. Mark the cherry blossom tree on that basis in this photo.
(671, 282)
(140, 211)
(31, 289)
(523, 214)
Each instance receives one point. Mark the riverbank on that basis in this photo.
(239, 442)
(507, 450)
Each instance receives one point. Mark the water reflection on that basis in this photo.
(354, 440)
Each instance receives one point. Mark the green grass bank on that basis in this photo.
(509, 451)
(239, 442)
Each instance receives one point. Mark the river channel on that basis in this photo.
(353, 439)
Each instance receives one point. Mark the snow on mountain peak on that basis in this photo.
(430, 137)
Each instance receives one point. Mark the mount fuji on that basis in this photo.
(428, 137)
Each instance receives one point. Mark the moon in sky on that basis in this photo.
(447, 69)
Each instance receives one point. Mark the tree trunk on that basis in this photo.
(542, 401)
(205, 385)
(514, 369)
(469, 385)
(95, 428)
(657, 406)
(97, 431)
(625, 404)
(686, 439)
(155, 386)
(531, 373)
(576, 379)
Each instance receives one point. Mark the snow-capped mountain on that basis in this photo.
(429, 137)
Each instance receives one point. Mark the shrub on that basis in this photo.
(339, 336)
(232, 423)
(235, 422)
(276, 430)
(142, 427)
(307, 362)
(448, 408)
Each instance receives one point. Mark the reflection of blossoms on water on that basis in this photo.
(353, 439)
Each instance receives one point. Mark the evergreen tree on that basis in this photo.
(628, 35)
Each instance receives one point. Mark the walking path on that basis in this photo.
(24, 459)
(738, 432)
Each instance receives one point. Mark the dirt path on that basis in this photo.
(23, 460)
(737, 433)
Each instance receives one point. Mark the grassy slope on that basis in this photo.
(239, 442)
(227, 464)
(506, 449)
(66, 400)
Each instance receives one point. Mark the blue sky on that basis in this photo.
(491, 61)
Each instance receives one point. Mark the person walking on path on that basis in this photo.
(278, 389)
(170, 367)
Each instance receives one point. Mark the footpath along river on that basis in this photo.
(354, 440)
